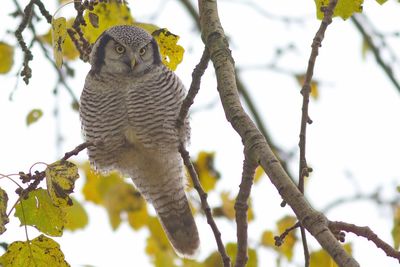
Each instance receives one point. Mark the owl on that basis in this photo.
(129, 106)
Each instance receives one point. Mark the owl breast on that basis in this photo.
(130, 117)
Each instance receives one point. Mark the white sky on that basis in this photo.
(355, 131)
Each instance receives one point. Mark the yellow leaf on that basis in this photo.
(3, 210)
(122, 198)
(228, 205)
(343, 9)
(33, 116)
(138, 218)
(365, 48)
(6, 57)
(171, 52)
(75, 216)
(290, 240)
(231, 250)
(60, 180)
(39, 211)
(40, 252)
(267, 239)
(69, 51)
(150, 28)
(192, 263)
(164, 259)
(97, 185)
(286, 248)
(157, 241)
(314, 93)
(204, 166)
(108, 14)
(214, 260)
(396, 227)
(258, 174)
(322, 258)
(228, 208)
(59, 33)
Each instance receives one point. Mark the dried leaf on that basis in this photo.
(69, 51)
(3, 210)
(59, 33)
(94, 19)
(60, 180)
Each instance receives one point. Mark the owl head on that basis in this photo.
(124, 50)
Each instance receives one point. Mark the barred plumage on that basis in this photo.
(129, 107)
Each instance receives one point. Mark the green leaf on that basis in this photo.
(75, 216)
(59, 33)
(39, 211)
(6, 57)
(40, 252)
(60, 180)
(33, 116)
(343, 9)
(3, 210)
(381, 2)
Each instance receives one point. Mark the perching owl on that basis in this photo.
(129, 107)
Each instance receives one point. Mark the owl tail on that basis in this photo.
(178, 222)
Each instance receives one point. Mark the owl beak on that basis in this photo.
(133, 63)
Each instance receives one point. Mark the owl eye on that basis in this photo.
(142, 51)
(119, 49)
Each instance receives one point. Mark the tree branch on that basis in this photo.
(194, 87)
(366, 232)
(255, 145)
(304, 170)
(204, 204)
(186, 104)
(241, 208)
(244, 93)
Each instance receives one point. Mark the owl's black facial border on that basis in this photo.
(157, 56)
(100, 53)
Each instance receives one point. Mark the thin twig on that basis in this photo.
(204, 204)
(194, 87)
(241, 208)
(188, 101)
(279, 239)
(368, 234)
(76, 150)
(304, 170)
